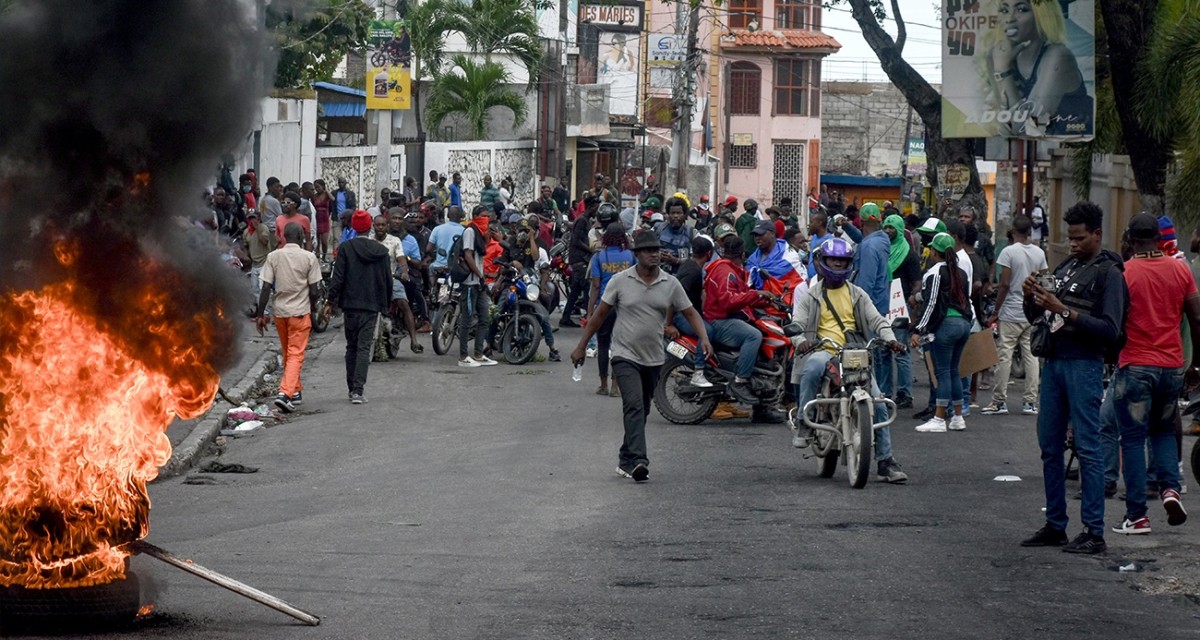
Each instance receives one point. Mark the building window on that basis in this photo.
(743, 156)
(797, 14)
(797, 87)
(745, 89)
(743, 12)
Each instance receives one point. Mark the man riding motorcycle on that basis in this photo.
(727, 297)
(837, 309)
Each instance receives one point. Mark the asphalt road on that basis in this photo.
(483, 503)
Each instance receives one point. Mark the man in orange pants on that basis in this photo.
(293, 273)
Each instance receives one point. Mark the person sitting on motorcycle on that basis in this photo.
(522, 250)
(835, 308)
(727, 296)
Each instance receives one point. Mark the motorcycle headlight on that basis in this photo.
(855, 359)
(532, 292)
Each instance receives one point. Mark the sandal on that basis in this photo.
(602, 390)
(416, 348)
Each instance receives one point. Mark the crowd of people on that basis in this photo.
(1102, 338)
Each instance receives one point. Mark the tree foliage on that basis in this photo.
(504, 26)
(472, 89)
(311, 41)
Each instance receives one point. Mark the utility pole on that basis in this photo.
(383, 136)
(904, 154)
(685, 98)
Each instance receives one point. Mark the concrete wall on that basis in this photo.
(357, 165)
(862, 128)
(474, 159)
(287, 142)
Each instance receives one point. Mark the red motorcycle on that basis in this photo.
(683, 403)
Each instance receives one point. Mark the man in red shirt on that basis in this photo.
(1149, 379)
(726, 298)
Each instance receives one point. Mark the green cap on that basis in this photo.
(932, 225)
(652, 203)
(723, 230)
(870, 211)
(942, 242)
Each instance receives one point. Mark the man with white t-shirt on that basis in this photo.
(1037, 215)
(1017, 261)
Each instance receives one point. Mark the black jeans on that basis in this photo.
(416, 300)
(360, 337)
(637, 383)
(475, 303)
(577, 293)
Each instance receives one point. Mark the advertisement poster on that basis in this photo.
(916, 157)
(1019, 69)
(953, 180)
(617, 65)
(389, 66)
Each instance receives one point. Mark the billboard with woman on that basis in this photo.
(1018, 69)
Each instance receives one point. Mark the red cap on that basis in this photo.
(704, 198)
(731, 201)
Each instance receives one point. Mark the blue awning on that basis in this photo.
(350, 91)
(343, 109)
(858, 181)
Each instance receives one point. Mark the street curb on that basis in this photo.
(203, 433)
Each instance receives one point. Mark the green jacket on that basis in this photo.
(745, 229)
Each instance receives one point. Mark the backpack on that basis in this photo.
(459, 271)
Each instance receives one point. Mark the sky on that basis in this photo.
(856, 60)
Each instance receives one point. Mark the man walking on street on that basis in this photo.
(1079, 329)
(1018, 261)
(642, 295)
(474, 291)
(361, 287)
(293, 274)
(1148, 382)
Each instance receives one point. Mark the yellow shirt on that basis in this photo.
(828, 327)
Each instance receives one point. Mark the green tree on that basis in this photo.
(429, 22)
(1168, 90)
(311, 43)
(472, 89)
(504, 26)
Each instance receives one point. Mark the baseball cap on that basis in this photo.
(942, 242)
(751, 204)
(723, 230)
(704, 198)
(656, 217)
(653, 203)
(731, 201)
(1143, 225)
(932, 225)
(413, 215)
(870, 211)
(763, 226)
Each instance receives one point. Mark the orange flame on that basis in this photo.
(83, 429)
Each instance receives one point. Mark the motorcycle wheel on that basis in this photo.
(391, 339)
(668, 402)
(379, 58)
(444, 328)
(520, 339)
(858, 450)
(319, 322)
(826, 466)
(1196, 460)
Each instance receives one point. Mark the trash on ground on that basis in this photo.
(1127, 568)
(213, 466)
(249, 425)
(1007, 478)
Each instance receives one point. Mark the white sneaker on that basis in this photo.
(591, 353)
(957, 423)
(468, 362)
(935, 425)
(698, 380)
(485, 361)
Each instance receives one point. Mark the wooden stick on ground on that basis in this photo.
(141, 546)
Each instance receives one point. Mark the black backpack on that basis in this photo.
(456, 262)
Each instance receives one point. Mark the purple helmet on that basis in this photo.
(833, 248)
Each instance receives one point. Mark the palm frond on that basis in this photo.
(472, 89)
(504, 26)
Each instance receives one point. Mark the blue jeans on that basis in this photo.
(731, 332)
(810, 383)
(1146, 405)
(948, 343)
(1110, 433)
(1070, 392)
(685, 328)
(895, 389)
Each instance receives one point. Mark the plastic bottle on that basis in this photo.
(577, 374)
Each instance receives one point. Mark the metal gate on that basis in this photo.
(788, 178)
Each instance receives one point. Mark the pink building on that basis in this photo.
(771, 98)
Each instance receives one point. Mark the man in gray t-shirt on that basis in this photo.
(1017, 262)
(643, 296)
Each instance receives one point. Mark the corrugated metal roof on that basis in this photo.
(350, 91)
(780, 39)
(343, 109)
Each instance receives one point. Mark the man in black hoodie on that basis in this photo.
(361, 287)
(1078, 322)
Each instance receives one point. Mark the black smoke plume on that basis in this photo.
(113, 117)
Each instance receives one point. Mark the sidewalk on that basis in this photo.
(257, 369)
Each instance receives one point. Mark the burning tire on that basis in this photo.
(79, 609)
